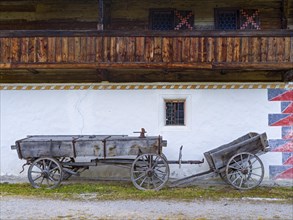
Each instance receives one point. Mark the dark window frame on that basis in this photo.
(152, 11)
(218, 11)
(179, 119)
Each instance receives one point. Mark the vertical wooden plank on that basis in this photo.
(106, 49)
(271, 49)
(186, 49)
(287, 49)
(121, 49)
(15, 55)
(71, 46)
(32, 50)
(149, 53)
(223, 57)
(77, 49)
(90, 56)
(177, 49)
(254, 50)
(99, 49)
(236, 54)
(83, 49)
(230, 49)
(131, 49)
(210, 49)
(1, 50)
(5, 50)
(43, 49)
(157, 49)
(24, 50)
(291, 49)
(193, 49)
(263, 49)
(167, 53)
(113, 49)
(139, 49)
(244, 50)
(218, 49)
(58, 53)
(280, 43)
(201, 46)
(51, 49)
(65, 49)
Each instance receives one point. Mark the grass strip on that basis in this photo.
(126, 191)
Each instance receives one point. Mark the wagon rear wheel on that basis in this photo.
(45, 172)
(245, 171)
(149, 172)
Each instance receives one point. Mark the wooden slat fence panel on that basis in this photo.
(150, 50)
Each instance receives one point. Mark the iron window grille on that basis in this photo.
(232, 19)
(162, 19)
(170, 19)
(175, 110)
(226, 19)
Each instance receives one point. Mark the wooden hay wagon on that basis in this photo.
(52, 158)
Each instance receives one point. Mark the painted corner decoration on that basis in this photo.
(284, 145)
(249, 19)
(183, 20)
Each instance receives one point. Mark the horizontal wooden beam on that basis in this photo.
(196, 33)
(244, 66)
(132, 75)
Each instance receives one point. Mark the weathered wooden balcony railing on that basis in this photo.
(109, 49)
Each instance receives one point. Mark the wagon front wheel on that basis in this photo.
(244, 171)
(45, 172)
(149, 172)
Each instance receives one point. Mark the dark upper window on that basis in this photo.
(232, 19)
(175, 112)
(171, 19)
(226, 19)
(162, 19)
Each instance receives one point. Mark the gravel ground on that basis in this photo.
(32, 208)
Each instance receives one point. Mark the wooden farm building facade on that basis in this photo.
(112, 60)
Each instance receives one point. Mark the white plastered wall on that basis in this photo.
(213, 117)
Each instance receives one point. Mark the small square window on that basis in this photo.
(175, 112)
(226, 19)
(170, 19)
(162, 19)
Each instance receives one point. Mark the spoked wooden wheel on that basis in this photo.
(149, 172)
(245, 171)
(45, 172)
